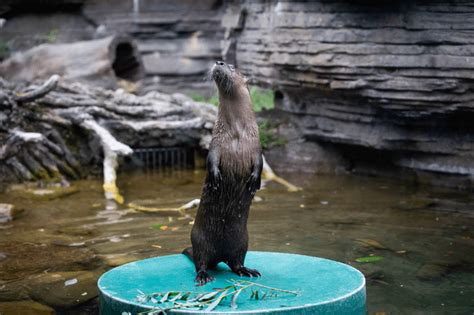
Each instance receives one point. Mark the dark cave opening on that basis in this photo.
(126, 64)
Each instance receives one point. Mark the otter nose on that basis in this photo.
(220, 63)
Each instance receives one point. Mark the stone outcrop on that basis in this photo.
(386, 84)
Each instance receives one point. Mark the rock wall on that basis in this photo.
(378, 86)
(387, 84)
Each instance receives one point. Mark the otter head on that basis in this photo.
(226, 77)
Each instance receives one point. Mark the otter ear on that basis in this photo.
(231, 67)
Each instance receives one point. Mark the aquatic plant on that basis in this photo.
(208, 301)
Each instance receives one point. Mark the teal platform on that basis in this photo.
(326, 286)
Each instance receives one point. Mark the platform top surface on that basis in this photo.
(318, 280)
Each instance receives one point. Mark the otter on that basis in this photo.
(234, 167)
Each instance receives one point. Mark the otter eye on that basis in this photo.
(231, 67)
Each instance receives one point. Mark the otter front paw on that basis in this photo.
(253, 183)
(215, 178)
(247, 272)
(203, 277)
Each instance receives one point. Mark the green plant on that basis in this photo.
(261, 99)
(208, 301)
(4, 50)
(52, 35)
(268, 136)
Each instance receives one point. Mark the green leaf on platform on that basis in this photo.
(207, 301)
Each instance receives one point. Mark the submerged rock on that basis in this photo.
(48, 193)
(115, 260)
(13, 290)
(25, 308)
(437, 269)
(431, 272)
(23, 259)
(64, 289)
(415, 203)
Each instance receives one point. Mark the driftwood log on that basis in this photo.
(58, 131)
(102, 62)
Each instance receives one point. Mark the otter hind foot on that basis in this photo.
(203, 277)
(247, 272)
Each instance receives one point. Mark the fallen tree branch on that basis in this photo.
(38, 92)
(112, 149)
(269, 174)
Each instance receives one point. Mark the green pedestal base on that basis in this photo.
(326, 286)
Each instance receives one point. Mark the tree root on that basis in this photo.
(38, 92)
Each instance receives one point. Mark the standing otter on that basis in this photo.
(234, 167)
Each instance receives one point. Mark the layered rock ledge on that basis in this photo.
(388, 86)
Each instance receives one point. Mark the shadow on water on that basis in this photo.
(55, 250)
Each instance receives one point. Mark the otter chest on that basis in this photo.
(237, 153)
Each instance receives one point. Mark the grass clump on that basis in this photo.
(261, 99)
(268, 135)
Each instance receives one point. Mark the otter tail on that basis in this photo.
(188, 252)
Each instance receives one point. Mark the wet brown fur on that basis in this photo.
(234, 167)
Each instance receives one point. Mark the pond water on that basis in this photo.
(54, 251)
